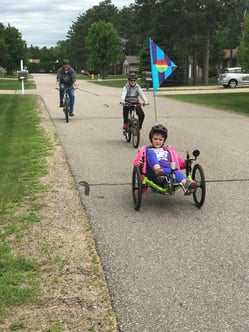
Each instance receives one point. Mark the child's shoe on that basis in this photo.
(189, 187)
(159, 175)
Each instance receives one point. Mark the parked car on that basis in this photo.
(232, 77)
(85, 72)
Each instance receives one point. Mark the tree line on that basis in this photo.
(190, 31)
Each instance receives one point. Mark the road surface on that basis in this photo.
(170, 267)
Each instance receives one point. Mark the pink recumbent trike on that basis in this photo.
(141, 183)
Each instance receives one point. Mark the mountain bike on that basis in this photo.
(66, 102)
(133, 130)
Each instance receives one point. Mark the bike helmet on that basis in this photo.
(132, 76)
(158, 129)
(66, 62)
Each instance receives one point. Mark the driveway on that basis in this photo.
(170, 267)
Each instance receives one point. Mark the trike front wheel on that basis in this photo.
(136, 188)
(200, 193)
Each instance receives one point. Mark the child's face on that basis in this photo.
(157, 140)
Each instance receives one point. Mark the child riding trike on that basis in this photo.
(159, 167)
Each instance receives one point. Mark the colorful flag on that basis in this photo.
(161, 65)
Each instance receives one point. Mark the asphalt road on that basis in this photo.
(170, 267)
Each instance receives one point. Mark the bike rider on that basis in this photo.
(66, 77)
(130, 94)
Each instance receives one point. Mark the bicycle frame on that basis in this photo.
(170, 184)
(133, 129)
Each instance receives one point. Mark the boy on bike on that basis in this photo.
(130, 94)
(66, 77)
(157, 159)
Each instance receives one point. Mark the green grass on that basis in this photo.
(115, 82)
(236, 102)
(23, 148)
(14, 84)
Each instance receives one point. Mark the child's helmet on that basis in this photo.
(132, 76)
(158, 129)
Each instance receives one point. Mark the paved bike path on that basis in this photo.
(170, 267)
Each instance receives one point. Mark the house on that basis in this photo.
(130, 64)
(230, 58)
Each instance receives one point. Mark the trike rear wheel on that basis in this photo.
(200, 193)
(136, 188)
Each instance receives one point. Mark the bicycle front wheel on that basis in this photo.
(136, 135)
(66, 110)
(200, 193)
(128, 133)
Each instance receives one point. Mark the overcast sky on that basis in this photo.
(44, 22)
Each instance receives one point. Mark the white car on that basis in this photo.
(232, 77)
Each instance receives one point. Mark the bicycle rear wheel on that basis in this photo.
(135, 135)
(136, 188)
(200, 193)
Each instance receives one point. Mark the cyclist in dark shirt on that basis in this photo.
(66, 77)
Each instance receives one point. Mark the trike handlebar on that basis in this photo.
(188, 161)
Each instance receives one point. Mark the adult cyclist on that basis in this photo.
(130, 94)
(66, 77)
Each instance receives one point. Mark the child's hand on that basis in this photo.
(141, 162)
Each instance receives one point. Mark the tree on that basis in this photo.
(243, 53)
(104, 46)
(16, 48)
(105, 12)
(3, 48)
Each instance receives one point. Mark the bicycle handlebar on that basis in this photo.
(133, 104)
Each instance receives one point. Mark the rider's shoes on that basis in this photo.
(189, 187)
(71, 113)
(61, 104)
(159, 175)
(125, 127)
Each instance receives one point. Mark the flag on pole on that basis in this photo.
(161, 65)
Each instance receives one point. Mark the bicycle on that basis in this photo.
(66, 102)
(140, 182)
(133, 128)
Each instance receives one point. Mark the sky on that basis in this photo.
(44, 22)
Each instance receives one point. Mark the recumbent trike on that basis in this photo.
(140, 182)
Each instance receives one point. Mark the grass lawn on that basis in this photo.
(14, 84)
(23, 148)
(236, 102)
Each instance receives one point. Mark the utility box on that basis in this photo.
(22, 75)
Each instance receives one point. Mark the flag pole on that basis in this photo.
(154, 94)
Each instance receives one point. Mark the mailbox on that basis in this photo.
(22, 75)
(147, 78)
